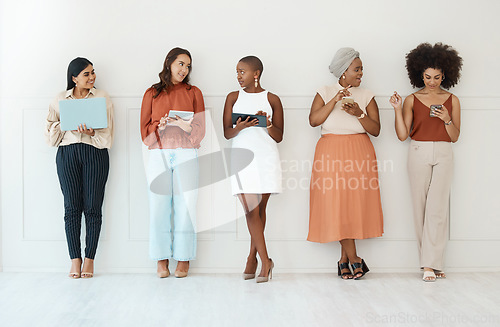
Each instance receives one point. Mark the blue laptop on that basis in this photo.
(91, 112)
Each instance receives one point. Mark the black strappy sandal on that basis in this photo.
(341, 266)
(358, 265)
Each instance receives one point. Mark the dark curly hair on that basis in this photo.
(440, 56)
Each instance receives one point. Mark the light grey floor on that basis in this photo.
(49, 299)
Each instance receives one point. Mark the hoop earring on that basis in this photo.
(256, 82)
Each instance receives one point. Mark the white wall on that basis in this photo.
(127, 42)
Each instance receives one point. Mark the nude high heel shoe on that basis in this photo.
(164, 273)
(75, 272)
(248, 276)
(265, 279)
(179, 273)
(87, 274)
(251, 275)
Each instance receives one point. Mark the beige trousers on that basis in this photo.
(430, 167)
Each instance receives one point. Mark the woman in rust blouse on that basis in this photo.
(431, 117)
(172, 127)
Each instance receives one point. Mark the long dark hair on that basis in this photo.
(165, 75)
(75, 67)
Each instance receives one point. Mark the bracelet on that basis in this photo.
(270, 126)
(448, 123)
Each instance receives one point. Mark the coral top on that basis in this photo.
(426, 128)
(182, 97)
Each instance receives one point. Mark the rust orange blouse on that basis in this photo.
(426, 128)
(181, 97)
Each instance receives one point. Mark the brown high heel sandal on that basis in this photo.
(342, 266)
(357, 265)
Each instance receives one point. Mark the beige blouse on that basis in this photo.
(103, 138)
(340, 122)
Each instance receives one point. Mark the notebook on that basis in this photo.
(91, 112)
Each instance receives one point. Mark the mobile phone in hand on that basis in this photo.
(347, 100)
(434, 107)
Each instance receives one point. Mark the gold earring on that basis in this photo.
(256, 82)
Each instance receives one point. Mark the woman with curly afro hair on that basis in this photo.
(431, 117)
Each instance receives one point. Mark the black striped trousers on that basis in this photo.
(83, 172)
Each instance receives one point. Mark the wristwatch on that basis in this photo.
(448, 123)
(362, 116)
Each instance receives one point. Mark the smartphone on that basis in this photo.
(347, 100)
(433, 107)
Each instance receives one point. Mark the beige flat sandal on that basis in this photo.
(439, 274)
(429, 276)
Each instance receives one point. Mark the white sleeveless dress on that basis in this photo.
(263, 174)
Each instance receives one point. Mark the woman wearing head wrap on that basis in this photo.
(344, 196)
(431, 117)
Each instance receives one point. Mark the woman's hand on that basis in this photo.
(396, 101)
(321, 110)
(268, 118)
(242, 124)
(185, 125)
(163, 123)
(442, 114)
(352, 109)
(342, 93)
(82, 128)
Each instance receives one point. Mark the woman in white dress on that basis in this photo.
(255, 183)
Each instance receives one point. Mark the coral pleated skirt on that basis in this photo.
(344, 190)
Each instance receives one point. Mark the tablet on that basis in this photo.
(262, 119)
(91, 112)
(186, 115)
